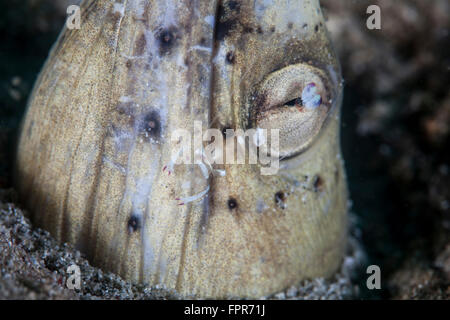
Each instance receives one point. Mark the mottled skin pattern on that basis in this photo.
(96, 137)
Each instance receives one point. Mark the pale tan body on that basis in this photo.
(84, 167)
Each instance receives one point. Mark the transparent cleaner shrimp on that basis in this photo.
(206, 169)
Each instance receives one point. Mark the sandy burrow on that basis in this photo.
(33, 265)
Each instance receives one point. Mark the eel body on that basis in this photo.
(95, 160)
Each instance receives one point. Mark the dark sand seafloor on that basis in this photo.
(395, 139)
(34, 266)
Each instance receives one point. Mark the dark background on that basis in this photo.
(395, 126)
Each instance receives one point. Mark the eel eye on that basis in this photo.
(296, 100)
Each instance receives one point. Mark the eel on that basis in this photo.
(96, 162)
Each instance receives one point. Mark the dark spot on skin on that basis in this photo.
(231, 58)
(290, 25)
(280, 198)
(232, 203)
(316, 28)
(167, 39)
(203, 41)
(150, 125)
(259, 30)
(140, 44)
(272, 29)
(129, 64)
(133, 224)
(318, 184)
